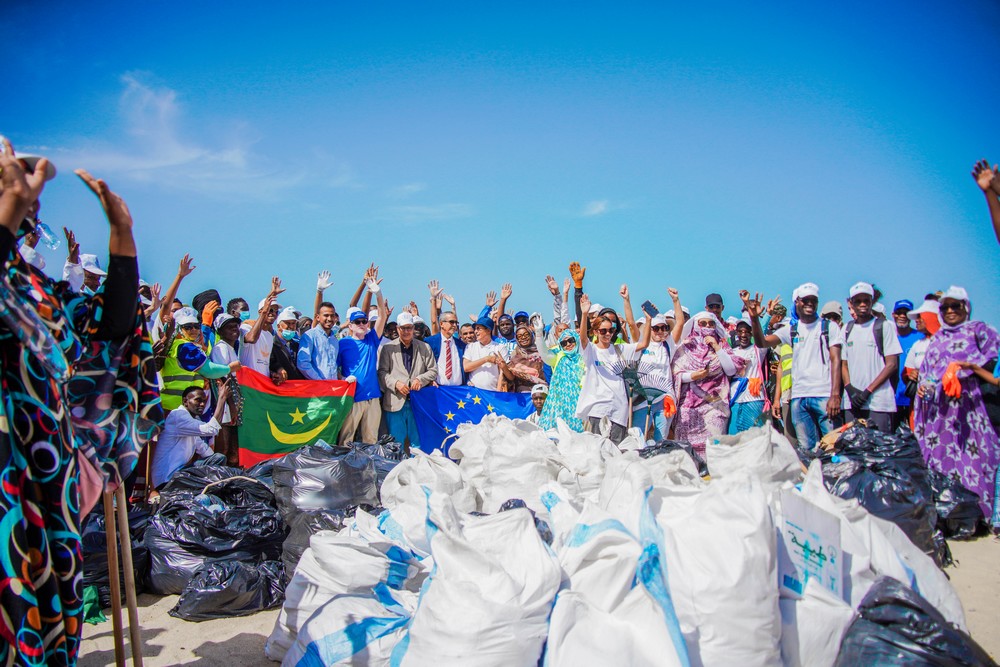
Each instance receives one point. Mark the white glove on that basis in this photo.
(350, 378)
(373, 287)
(323, 281)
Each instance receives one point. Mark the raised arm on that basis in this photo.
(550, 282)
(372, 282)
(185, 269)
(584, 338)
(754, 310)
(258, 325)
(435, 290)
(633, 330)
(505, 291)
(323, 283)
(679, 318)
(989, 183)
(647, 333)
(577, 273)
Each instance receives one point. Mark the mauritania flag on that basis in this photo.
(438, 410)
(280, 419)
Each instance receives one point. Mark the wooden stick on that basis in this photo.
(116, 593)
(133, 609)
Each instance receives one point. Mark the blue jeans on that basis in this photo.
(402, 425)
(810, 420)
(660, 424)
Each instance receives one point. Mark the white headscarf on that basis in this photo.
(719, 329)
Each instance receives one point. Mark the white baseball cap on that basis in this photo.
(404, 319)
(928, 306)
(221, 319)
(806, 289)
(660, 320)
(373, 314)
(32, 161)
(878, 308)
(91, 264)
(287, 315)
(540, 389)
(595, 308)
(185, 315)
(862, 288)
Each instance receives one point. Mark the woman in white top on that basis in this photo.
(604, 393)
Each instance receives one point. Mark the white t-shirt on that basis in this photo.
(915, 356)
(223, 353)
(257, 355)
(750, 370)
(603, 393)
(488, 375)
(656, 360)
(810, 358)
(864, 362)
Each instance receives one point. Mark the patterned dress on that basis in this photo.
(955, 434)
(68, 400)
(564, 390)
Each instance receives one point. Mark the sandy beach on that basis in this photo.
(240, 641)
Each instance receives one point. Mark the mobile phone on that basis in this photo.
(649, 309)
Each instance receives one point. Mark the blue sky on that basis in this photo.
(709, 147)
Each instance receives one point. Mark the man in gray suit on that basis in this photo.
(404, 365)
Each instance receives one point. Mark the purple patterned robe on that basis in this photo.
(955, 435)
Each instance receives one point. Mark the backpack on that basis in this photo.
(824, 336)
(877, 329)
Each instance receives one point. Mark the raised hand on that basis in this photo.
(435, 289)
(566, 284)
(451, 300)
(577, 273)
(114, 206)
(623, 291)
(276, 286)
(491, 299)
(414, 310)
(505, 291)
(371, 279)
(584, 304)
(753, 306)
(72, 246)
(323, 281)
(553, 286)
(154, 293)
(187, 266)
(18, 190)
(984, 176)
(772, 304)
(673, 293)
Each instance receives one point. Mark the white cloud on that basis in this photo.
(438, 212)
(162, 148)
(596, 207)
(407, 190)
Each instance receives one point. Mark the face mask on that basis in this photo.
(288, 334)
(244, 315)
(708, 331)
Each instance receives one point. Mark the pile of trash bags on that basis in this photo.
(227, 540)
(94, 542)
(562, 549)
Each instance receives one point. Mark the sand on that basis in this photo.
(240, 641)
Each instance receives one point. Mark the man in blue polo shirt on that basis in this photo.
(358, 359)
(907, 336)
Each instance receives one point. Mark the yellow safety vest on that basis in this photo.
(176, 379)
(786, 367)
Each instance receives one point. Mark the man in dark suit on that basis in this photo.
(447, 346)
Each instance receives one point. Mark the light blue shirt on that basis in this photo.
(317, 357)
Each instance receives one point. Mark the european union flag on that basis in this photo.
(439, 410)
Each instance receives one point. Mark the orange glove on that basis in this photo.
(669, 407)
(208, 313)
(755, 386)
(949, 381)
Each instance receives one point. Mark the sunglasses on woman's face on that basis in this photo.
(605, 332)
(569, 342)
(945, 307)
(188, 327)
(660, 327)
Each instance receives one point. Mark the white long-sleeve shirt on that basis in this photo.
(180, 440)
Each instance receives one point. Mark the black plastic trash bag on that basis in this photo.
(302, 526)
(324, 477)
(959, 515)
(191, 480)
(235, 520)
(896, 626)
(874, 447)
(888, 492)
(95, 552)
(263, 472)
(231, 588)
(664, 446)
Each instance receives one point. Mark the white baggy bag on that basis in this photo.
(813, 626)
(489, 598)
(403, 483)
(721, 562)
(360, 629)
(585, 456)
(332, 565)
(762, 452)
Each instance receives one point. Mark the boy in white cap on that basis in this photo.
(539, 393)
(816, 382)
(869, 362)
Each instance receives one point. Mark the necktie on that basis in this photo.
(447, 360)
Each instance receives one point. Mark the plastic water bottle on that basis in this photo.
(46, 236)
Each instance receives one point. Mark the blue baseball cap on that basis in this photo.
(521, 313)
(505, 316)
(903, 304)
(485, 322)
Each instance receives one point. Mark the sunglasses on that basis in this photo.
(360, 321)
(569, 342)
(449, 321)
(945, 307)
(660, 327)
(605, 332)
(186, 327)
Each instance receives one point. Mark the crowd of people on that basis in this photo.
(669, 374)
